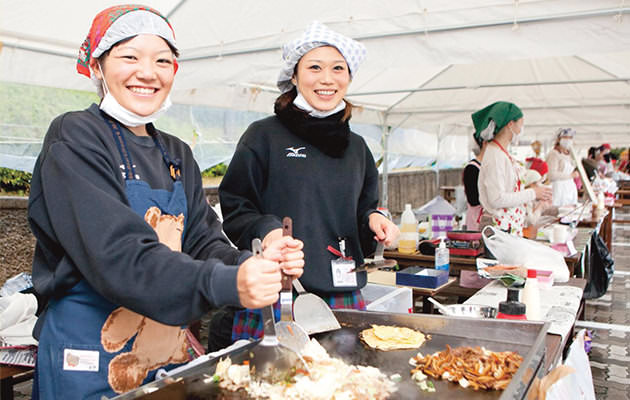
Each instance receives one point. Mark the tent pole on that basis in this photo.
(385, 144)
(437, 159)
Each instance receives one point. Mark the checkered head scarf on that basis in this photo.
(318, 35)
(117, 23)
(565, 132)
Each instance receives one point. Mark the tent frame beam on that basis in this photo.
(415, 32)
(556, 107)
(490, 85)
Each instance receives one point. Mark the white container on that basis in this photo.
(560, 234)
(408, 241)
(385, 298)
(442, 261)
(531, 297)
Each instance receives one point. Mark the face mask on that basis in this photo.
(515, 135)
(565, 143)
(111, 106)
(301, 103)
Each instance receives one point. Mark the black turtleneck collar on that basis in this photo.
(330, 135)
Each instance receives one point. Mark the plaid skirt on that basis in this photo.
(248, 323)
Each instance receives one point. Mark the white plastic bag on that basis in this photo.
(578, 385)
(514, 250)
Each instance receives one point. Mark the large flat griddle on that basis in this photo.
(527, 338)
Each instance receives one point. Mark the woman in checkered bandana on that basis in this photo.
(305, 163)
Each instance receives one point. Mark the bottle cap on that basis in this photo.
(512, 306)
(512, 294)
(531, 273)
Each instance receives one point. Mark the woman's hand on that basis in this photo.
(272, 236)
(543, 193)
(259, 279)
(258, 282)
(384, 229)
(287, 251)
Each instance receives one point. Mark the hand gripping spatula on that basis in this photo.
(289, 333)
(378, 262)
(269, 359)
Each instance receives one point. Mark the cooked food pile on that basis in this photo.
(382, 337)
(329, 378)
(470, 366)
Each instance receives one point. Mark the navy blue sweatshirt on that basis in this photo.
(85, 229)
(275, 173)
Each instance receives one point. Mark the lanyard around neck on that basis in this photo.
(174, 166)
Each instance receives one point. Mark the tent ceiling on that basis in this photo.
(431, 62)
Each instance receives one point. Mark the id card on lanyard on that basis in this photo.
(342, 268)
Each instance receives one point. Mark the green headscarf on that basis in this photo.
(490, 120)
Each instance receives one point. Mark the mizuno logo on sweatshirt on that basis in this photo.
(295, 152)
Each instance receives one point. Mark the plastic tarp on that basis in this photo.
(430, 63)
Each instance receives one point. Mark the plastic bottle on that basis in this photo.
(442, 256)
(408, 242)
(531, 296)
(512, 308)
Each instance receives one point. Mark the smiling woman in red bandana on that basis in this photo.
(128, 252)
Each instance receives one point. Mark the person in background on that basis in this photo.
(604, 161)
(537, 148)
(624, 164)
(590, 164)
(539, 166)
(126, 254)
(562, 169)
(304, 162)
(471, 178)
(500, 191)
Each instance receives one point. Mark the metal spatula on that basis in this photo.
(377, 262)
(269, 359)
(288, 332)
(312, 312)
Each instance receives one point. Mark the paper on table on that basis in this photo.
(560, 307)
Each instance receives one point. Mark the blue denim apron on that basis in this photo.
(72, 361)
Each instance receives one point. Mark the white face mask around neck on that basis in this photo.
(110, 105)
(301, 103)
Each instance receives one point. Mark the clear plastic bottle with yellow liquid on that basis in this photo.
(408, 242)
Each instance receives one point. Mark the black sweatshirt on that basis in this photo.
(85, 229)
(274, 174)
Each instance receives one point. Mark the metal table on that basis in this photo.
(527, 338)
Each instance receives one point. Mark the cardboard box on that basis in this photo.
(422, 277)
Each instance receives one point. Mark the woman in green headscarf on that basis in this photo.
(500, 192)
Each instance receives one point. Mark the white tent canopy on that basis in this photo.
(430, 63)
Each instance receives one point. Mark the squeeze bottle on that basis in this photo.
(442, 256)
(408, 242)
(531, 296)
(511, 308)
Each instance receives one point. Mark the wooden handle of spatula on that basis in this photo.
(287, 230)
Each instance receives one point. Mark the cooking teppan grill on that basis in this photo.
(527, 338)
